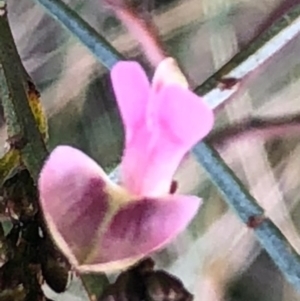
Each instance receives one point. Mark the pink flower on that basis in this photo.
(102, 226)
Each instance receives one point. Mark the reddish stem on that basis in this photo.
(141, 26)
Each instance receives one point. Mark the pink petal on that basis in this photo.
(132, 89)
(166, 73)
(177, 119)
(73, 199)
(139, 229)
(182, 116)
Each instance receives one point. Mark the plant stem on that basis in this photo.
(245, 206)
(19, 117)
(140, 25)
(247, 61)
(278, 127)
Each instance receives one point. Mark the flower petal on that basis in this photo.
(76, 198)
(73, 199)
(140, 228)
(132, 89)
(166, 73)
(177, 120)
(183, 116)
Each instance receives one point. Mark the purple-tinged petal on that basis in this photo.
(176, 120)
(74, 200)
(97, 225)
(140, 228)
(132, 89)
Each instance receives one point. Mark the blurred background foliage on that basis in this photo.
(218, 257)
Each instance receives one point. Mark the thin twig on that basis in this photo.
(139, 24)
(276, 127)
(249, 60)
(245, 206)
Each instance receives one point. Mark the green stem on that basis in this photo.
(19, 117)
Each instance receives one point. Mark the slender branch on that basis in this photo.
(248, 61)
(139, 23)
(234, 192)
(245, 206)
(254, 127)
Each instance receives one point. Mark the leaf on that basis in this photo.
(9, 165)
(37, 109)
(95, 284)
(11, 161)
